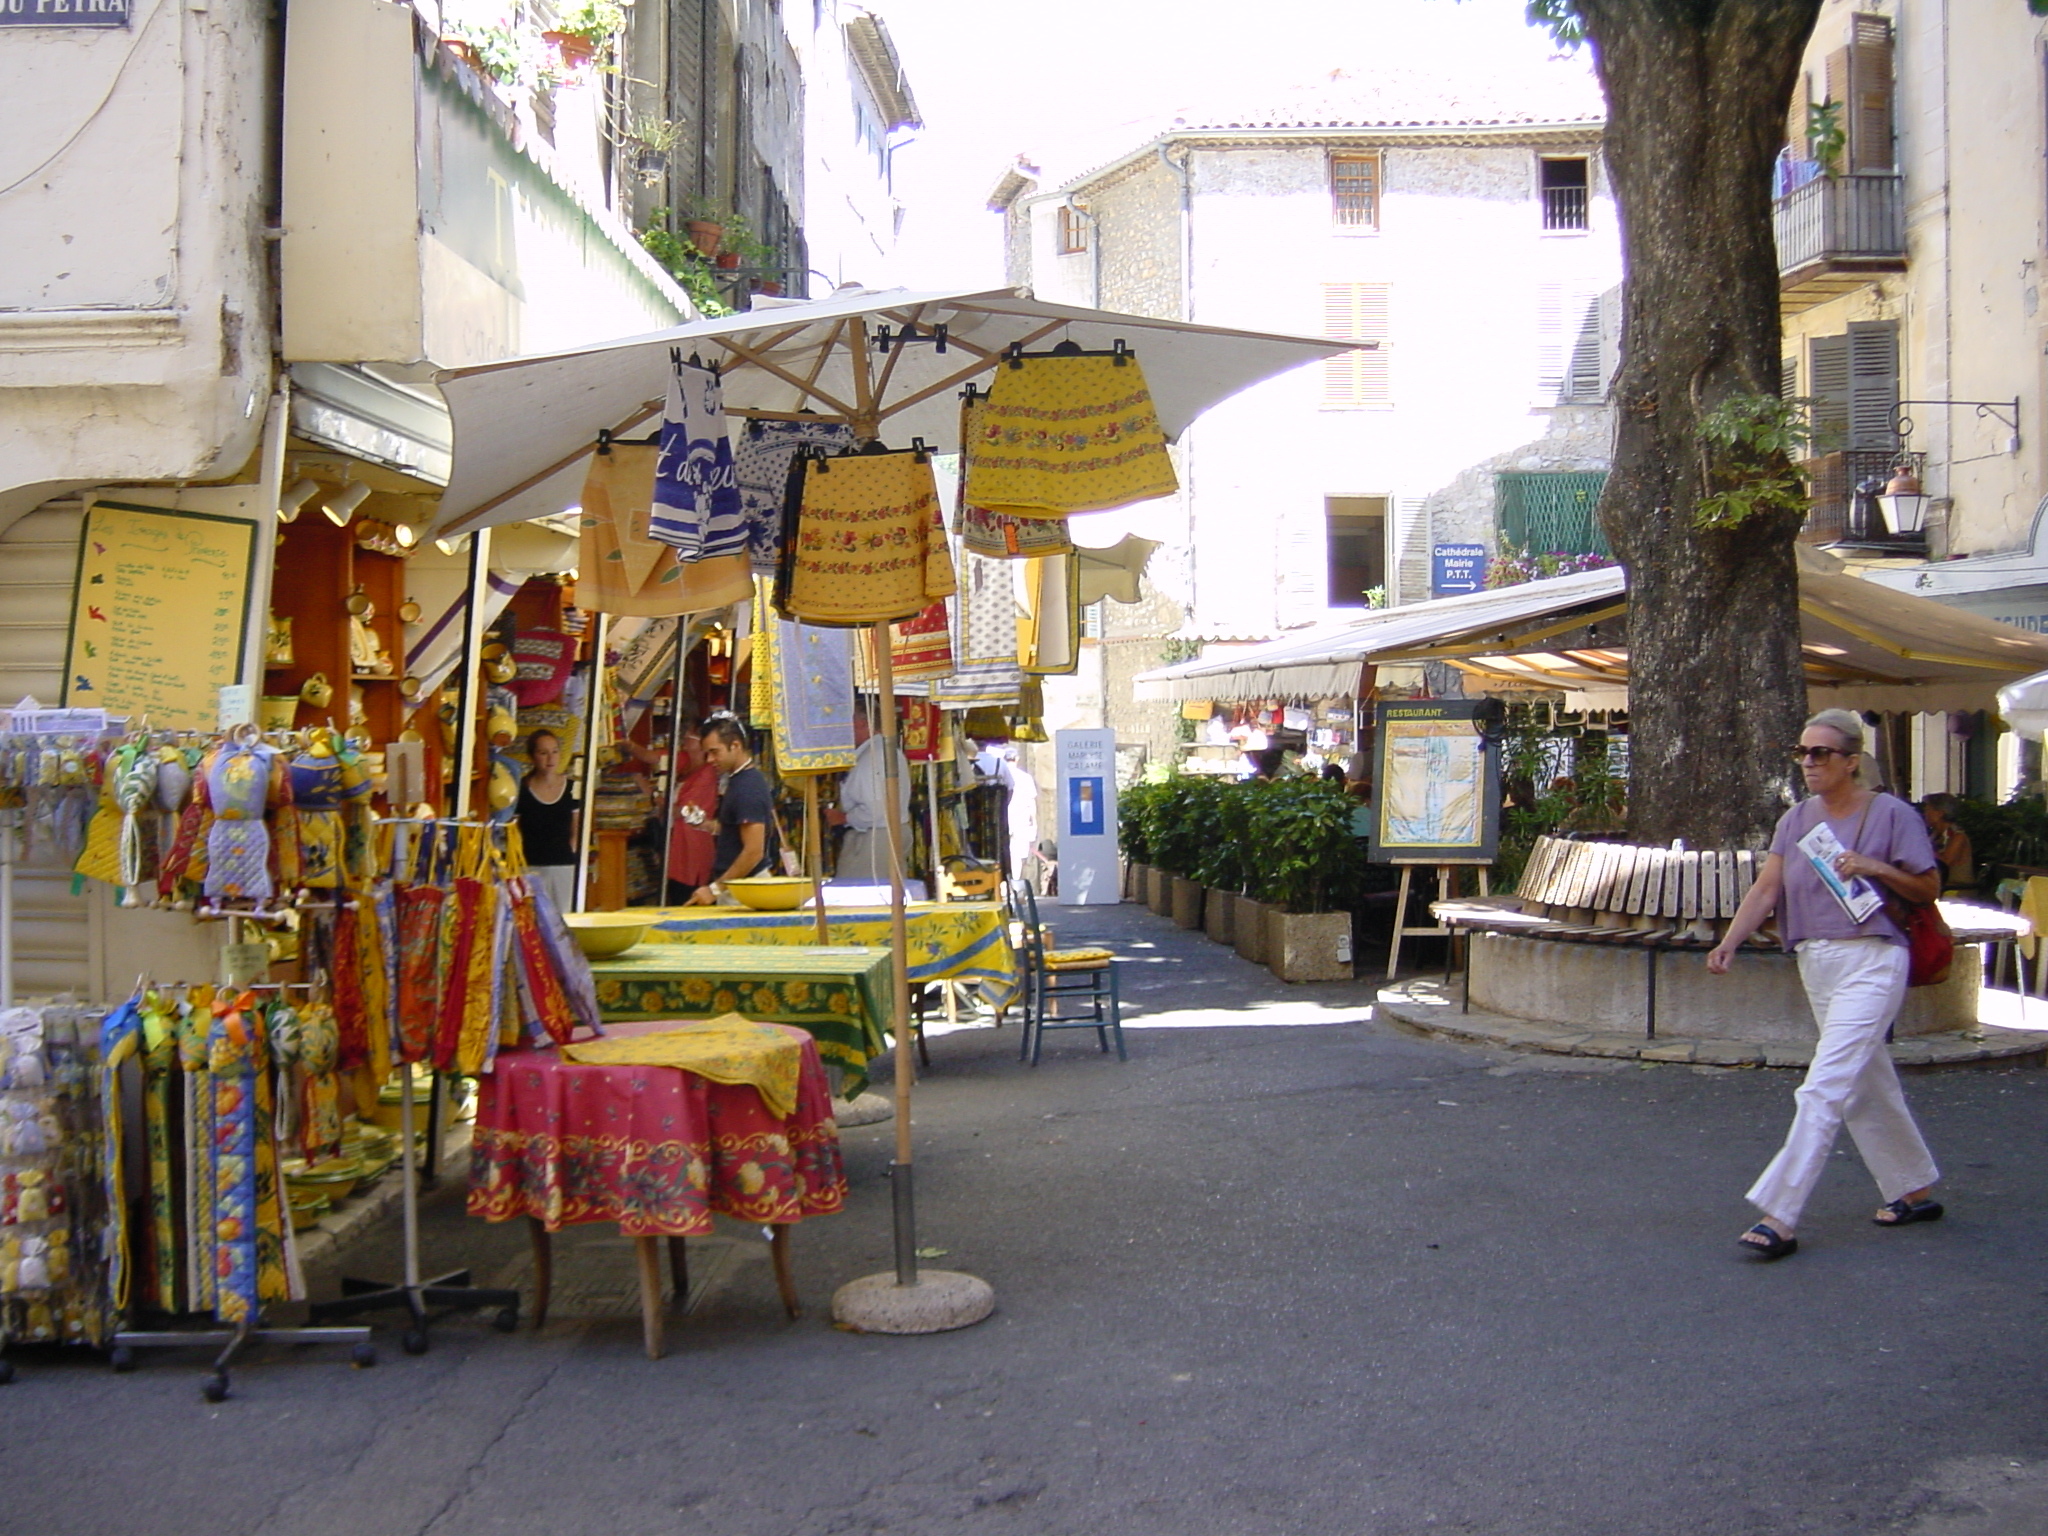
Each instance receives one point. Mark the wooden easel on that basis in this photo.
(1445, 875)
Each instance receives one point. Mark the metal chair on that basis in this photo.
(1084, 976)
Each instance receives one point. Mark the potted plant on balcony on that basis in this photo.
(704, 222)
(1306, 868)
(683, 262)
(492, 50)
(583, 27)
(648, 144)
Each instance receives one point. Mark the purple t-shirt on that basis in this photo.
(1893, 833)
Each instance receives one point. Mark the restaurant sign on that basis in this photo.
(65, 13)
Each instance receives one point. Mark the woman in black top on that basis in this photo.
(547, 820)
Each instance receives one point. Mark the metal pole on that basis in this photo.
(931, 816)
(593, 714)
(675, 756)
(469, 716)
(9, 821)
(814, 857)
(899, 962)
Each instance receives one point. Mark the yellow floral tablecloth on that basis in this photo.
(840, 996)
(965, 941)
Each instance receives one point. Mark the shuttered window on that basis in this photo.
(1358, 312)
(1854, 382)
(1860, 78)
(1355, 192)
(1571, 363)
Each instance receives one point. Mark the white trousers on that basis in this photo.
(1855, 987)
(559, 881)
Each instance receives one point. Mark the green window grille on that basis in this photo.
(1550, 514)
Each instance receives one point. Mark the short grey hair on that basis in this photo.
(1845, 723)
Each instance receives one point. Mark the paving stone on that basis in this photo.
(1788, 1055)
(1613, 1045)
(1728, 1053)
(1675, 1050)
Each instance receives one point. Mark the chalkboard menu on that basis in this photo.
(159, 623)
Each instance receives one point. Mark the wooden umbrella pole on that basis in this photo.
(905, 1199)
(675, 759)
(814, 855)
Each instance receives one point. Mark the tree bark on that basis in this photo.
(1697, 92)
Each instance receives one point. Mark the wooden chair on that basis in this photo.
(1053, 976)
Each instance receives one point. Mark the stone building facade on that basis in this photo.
(1474, 246)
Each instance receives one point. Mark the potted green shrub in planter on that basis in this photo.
(1199, 798)
(1306, 871)
(583, 27)
(1226, 861)
(1176, 843)
(1133, 806)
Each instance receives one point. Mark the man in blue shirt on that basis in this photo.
(747, 843)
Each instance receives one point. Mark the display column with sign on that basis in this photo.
(1436, 799)
(1087, 800)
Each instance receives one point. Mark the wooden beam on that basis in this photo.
(805, 390)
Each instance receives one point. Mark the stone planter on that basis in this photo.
(1308, 946)
(1248, 929)
(1159, 892)
(1218, 909)
(1187, 902)
(1135, 876)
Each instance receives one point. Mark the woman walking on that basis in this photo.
(1854, 973)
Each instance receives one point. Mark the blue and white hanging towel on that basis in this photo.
(696, 499)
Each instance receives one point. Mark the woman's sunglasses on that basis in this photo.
(1818, 754)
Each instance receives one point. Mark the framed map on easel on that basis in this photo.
(1437, 785)
(159, 620)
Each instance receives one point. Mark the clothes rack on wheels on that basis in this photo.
(232, 1341)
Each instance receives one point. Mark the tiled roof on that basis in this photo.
(1401, 96)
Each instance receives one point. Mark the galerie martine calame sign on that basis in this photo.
(64, 13)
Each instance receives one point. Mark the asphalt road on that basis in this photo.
(1283, 1276)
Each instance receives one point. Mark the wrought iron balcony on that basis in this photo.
(1836, 514)
(1835, 231)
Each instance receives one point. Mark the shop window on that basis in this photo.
(1550, 514)
(1355, 192)
(1073, 231)
(1358, 312)
(1567, 185)
(1357, 540)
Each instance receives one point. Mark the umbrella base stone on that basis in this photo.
(942, 1299)
(868, 1109)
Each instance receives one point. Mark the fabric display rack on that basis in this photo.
(144, 1151)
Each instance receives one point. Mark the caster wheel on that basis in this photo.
(414, 1340)
(6, 1372)
(507, 1320)
(122, 1359)
(215, 1390)
(363, 1356)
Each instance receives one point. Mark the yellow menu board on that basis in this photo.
(160, 619)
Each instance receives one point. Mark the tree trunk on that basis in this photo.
(1697, 92)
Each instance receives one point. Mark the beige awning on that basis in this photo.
(1866, 646)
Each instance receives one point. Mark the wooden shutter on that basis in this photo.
(1788, 378)
(1873, 371)
(1795, 119)
(1357, 312)
(1568, 353)
(1827, 381)
(1868, 112)
(1408, 559)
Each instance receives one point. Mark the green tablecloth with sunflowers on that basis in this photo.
(840, 995)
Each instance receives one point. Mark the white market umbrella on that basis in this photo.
(2024, 705)
(890, 364)
(525, 425)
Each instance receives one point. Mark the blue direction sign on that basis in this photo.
(1453, 568)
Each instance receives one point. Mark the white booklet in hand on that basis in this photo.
(1822, 848)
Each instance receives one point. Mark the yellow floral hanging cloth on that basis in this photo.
(867, 542)
(1067, 433)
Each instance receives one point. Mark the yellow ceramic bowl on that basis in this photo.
(308, 1206)
(771, 893)
(605, 934)
(334, 1177)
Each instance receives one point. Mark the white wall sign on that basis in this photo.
(1087, 805)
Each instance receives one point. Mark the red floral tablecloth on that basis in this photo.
(655, 1149)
